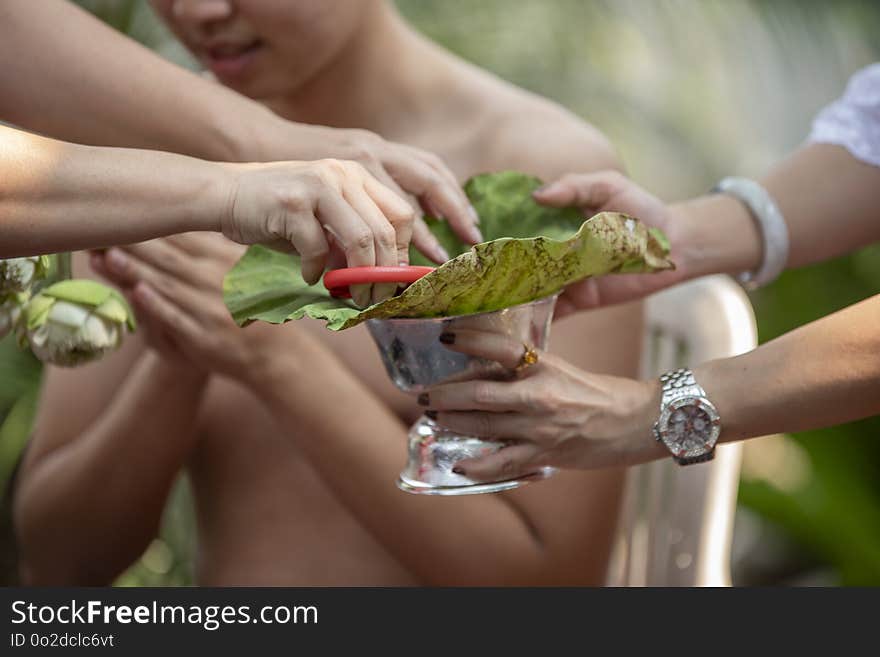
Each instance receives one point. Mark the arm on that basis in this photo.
(828, 199)
(108, 441)
(824, 373)
(56, 196)
(88, 84)
(106, 485)
(826, 195)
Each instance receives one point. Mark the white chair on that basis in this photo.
(676, 523)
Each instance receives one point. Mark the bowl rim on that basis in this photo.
(546, 299)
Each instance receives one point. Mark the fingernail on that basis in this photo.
(447, 338)
(443, 253)
(423, 399)
(476, 235)
(457, 470)
(474, 214)
(432, 415)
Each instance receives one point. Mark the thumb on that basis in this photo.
(593, 190)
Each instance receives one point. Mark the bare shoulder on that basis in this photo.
(535, 135)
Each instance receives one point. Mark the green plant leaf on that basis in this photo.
(533, 252)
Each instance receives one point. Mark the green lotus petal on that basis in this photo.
(533, 252)
(37, 309)
(116, 309)
(81, 291)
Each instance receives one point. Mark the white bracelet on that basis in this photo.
(771, 224)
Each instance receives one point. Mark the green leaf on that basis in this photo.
(266, 285)
(533, 252)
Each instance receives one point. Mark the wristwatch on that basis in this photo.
(689, 423)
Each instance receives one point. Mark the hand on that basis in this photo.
(404, 169)
(175, 287)
(563, 416)
(318, 207)
(612, 191)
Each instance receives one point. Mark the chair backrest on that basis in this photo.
(676, 523)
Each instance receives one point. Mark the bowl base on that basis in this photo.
(421, 488)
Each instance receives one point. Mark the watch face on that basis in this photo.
(689, 427)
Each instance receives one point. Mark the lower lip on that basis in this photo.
(234, 66)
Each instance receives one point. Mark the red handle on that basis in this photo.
(337, 281)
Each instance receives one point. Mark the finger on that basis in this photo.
(167, 316)
(563, 308)
(618, 288)
(592, 190)
(98, 265)
(449, 200)
(162, 255)
(352, 235)
(426, 242)
(127, 271)
(439, 167)
(384, 236)
(499, 347)
(282, 246)
(436, 163)
(166, 256)
(305, 232)
(507, 463)
(156, 336)
(399, 212)
(496, 426)
(476, 395)
(206, 243)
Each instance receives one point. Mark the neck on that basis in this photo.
(380, 81)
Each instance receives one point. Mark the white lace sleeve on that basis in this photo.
(853, 121)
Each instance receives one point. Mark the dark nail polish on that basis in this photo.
(423, 399)
(431, 414)
(447, 338)
(458, 470)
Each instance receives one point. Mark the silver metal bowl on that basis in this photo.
(416, 360)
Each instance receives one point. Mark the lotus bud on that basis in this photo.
(10, 312)
(76, 321)
(17, 274)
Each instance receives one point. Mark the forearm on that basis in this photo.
(108, 486)
(56, 196)
(88, 84)
(825, 373)
(827, 197)
(358, 446)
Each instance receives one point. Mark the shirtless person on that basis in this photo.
(293, 436)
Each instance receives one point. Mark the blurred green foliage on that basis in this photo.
(689, 91)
